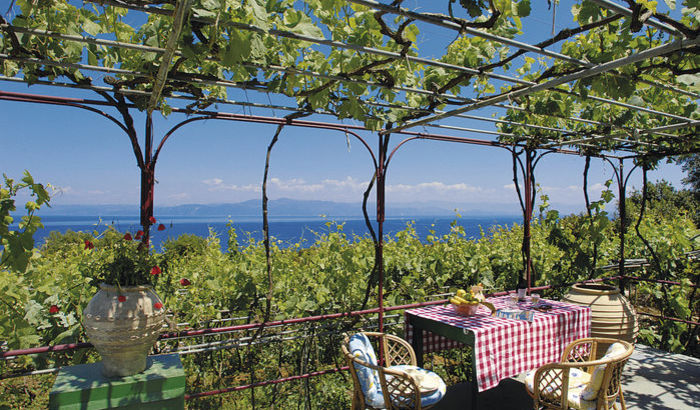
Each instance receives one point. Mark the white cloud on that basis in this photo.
(295, 185)
(213, 181)
(351, 189)
(347, 183)
(597, 187)
(217, 184)
(434, 186)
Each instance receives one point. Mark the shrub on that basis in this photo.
(184, 245)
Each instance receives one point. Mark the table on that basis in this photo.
(82, 387)
(501, 348)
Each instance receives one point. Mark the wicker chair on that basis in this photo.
(396, 388)
(572, 383)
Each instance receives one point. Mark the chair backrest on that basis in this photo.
(362, 359)
(368, 376)
(604, 385)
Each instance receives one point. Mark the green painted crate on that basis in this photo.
(82, 387)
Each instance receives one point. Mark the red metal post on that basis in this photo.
(528, 216)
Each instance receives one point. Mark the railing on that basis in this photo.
(285, 336)
(668, 283)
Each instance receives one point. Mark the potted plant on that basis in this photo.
(126, 316)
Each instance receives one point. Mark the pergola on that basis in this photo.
(622, 85)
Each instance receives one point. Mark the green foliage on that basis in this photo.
(118, 259)
(662, 197)
(691, 165)
(664, 246)
(21, 393)
(16, 246)
(330, 275)
(57, 242)
(183, 246)
(129, 265)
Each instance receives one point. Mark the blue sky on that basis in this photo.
(89, 160)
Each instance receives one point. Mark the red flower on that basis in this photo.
(139, 234)
(155, 270)
(161, 227)
(53, 309)
(127, 237)
(185, 282)
(89, 245)
(121, 298)
(158, 305)
(151, 219)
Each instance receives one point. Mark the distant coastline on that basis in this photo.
(285, 230)
(285, 207)
(291, 221)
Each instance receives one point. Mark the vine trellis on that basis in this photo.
(622, 85)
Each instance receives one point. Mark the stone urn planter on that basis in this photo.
(612, 315)
(123, 324)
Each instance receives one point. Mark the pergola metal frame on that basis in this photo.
(626, 139)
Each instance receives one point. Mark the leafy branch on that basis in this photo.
(17, 245)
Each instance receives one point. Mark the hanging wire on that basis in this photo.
(269, 100)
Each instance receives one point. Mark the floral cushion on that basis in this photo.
(426, 399)
(578, 381)
(360, 347)
(591, 391)
(577, 402)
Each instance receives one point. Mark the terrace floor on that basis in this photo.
(652, 379)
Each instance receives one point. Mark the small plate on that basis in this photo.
(428, 382)
(543, 307)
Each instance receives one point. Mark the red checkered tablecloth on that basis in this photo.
(507, 347)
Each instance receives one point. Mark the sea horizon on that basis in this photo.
(287, 230)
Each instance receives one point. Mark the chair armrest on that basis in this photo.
(551, 384)
(401, 389)
(551, 381)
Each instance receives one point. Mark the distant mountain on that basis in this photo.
(286, 207)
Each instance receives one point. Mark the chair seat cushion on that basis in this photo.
(426, 399)
(578, 381)
(575, 400)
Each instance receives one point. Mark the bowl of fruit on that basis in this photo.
(466, 303)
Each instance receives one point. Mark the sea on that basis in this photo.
(285, 230)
